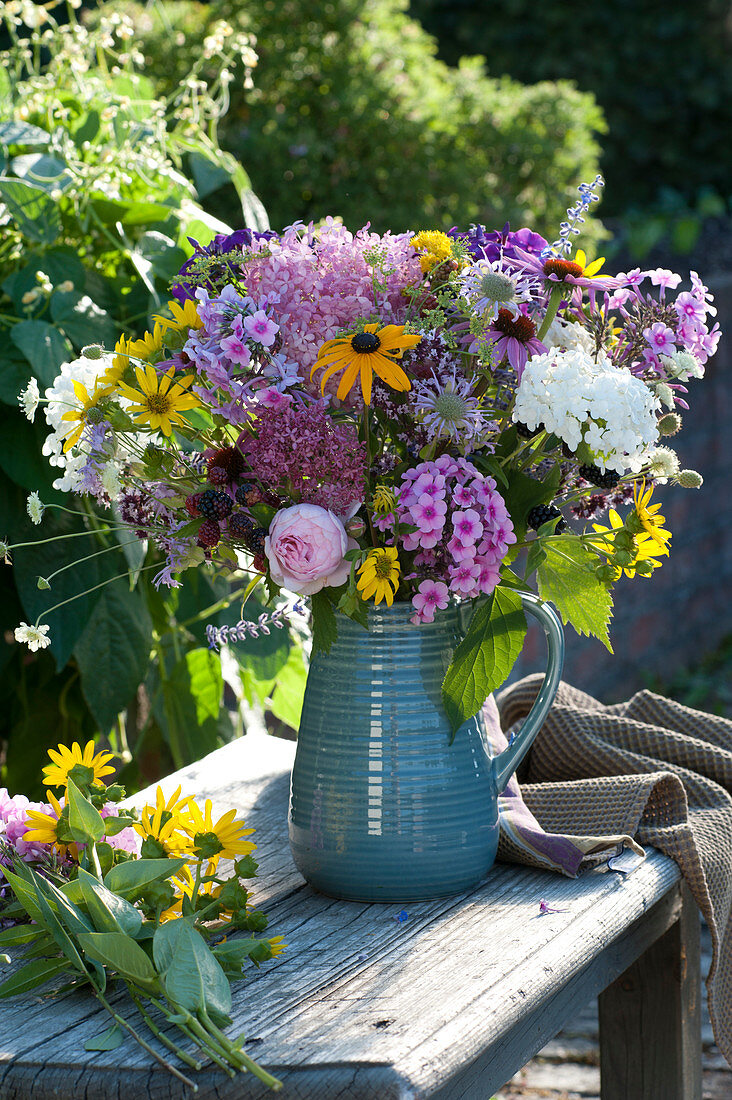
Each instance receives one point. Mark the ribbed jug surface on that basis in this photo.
(383, 807)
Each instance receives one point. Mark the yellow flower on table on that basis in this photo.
(379, 575)
(65, 759)
(363, 353)
(227, 831)
(161, 398)
(166, 822)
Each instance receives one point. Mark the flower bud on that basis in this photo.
(607, 573)
(689, 479)
(643, 568)
(92, 351)
(355, 527)
(669, 424)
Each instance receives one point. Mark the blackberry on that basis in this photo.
(269, 496)
(525, 432)
(248, 493)
(260, 563)
(214, 505)
(542, 514)
(217, 475)
(229, 459)
(192, 505)
(240, 525)
(209, 533)
(254, 541)
(606, 479)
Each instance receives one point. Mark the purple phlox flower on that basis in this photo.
(463, 576)
(631, 278)
(661, 276)
(467, 526)
(236, 350)
(545, 907)
(430, 596)
(261, 328)
(702, 293)
(690, 308)
(429, 513)
(661, 338)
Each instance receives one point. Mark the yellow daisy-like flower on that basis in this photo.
(166, 822)
(80, 414)
(433, 248)
(649, 516)
(185, 316)
(645, 551)
(276, 946)
(227, 830)
(379, 575)
(160, 399)
(362, 353)
(64, 759)
(43, 829)
(149, 349)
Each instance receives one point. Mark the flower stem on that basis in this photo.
(551, 310)
(184, 1057)
(146, 1046)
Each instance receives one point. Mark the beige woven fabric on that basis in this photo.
(650, 768)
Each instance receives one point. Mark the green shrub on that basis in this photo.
(661, 72)
(95, 212)
(353, 115)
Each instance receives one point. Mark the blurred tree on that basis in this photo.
(661, 72)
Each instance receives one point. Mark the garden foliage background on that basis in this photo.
(121, 140)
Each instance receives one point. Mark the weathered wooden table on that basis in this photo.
(444, 999)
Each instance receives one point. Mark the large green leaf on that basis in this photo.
(109, 912)
(130, 879)
(44, 347)
(22, 133)
(567, 579)
(31, 975)
(35, 213)
(119, 953)
(192, 976)
(186, 704)
(44, 171)
(162, 253)
(325, 624)
(15, 374)
(82, 320)
(208, 175)
(113, 652)
(485, 656)
(85, 821)
(109, 1039)
(59, 264)
(287, 697)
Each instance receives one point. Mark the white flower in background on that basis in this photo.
(579, 399)
(29, 399)
(35, 508)
(569, 336)
(110, 479)
(682, 365)
(662, 463)
(33, 636)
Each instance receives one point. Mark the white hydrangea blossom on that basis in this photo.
(570, 337)
(579, 399)
(683, 365)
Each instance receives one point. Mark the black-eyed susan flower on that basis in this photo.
(64, 760)
(379, 575)
(185, 316)
(224, 837)
(161, 398)
(43, 828)
(362, 353)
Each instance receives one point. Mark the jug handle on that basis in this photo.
(506, 762)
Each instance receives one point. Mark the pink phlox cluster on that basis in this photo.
(14, 823)
(313, 458)
(321, 283)
(459, 526)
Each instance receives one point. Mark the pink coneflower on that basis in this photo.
(555, 269)
(514, 338)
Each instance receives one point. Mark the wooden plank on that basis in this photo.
(360, 1004)
(650, 1019)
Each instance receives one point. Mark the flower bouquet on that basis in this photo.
(143, 899)
(402, 424)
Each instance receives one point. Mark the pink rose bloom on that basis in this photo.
(305, 548)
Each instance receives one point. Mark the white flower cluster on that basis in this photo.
(579, 399)
(568, 336)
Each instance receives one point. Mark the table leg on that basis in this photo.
(650, 1019)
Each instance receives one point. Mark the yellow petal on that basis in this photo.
(594, 267)
(367, 377)
(348, 378)
(581, 258)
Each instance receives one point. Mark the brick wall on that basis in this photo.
(671, 620)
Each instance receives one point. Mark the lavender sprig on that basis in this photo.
(575, 217)
(247, 628)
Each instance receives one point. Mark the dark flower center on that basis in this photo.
(365, 342)
(562, 268)
(522, 328)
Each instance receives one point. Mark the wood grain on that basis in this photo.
(453, 999)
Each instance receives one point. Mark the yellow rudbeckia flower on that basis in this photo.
(64, 760)
(649, 516)
(379, 575)
(160, 399)
(185, 316)
(226, 830)
(80, 415)
(362, 353)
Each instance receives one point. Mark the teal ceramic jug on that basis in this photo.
(383, 806)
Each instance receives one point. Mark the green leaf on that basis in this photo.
(485, 656)
(208, 176)
(44, 347)
(25, 894)
(82, 320)
(85, 821)
(109, 912)
(567, 579)
(119, 953)
(325, 624)
(17, 934)
(193, 978)
(113, 653)
(32, 975)
(44, 171)
(287, 698)
(524, 493)
(162, 253)
(35, 212)
(59, 264)
(131, 878)
(22, 133)
(534, 558)
(186, 701)
(109, 1039)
